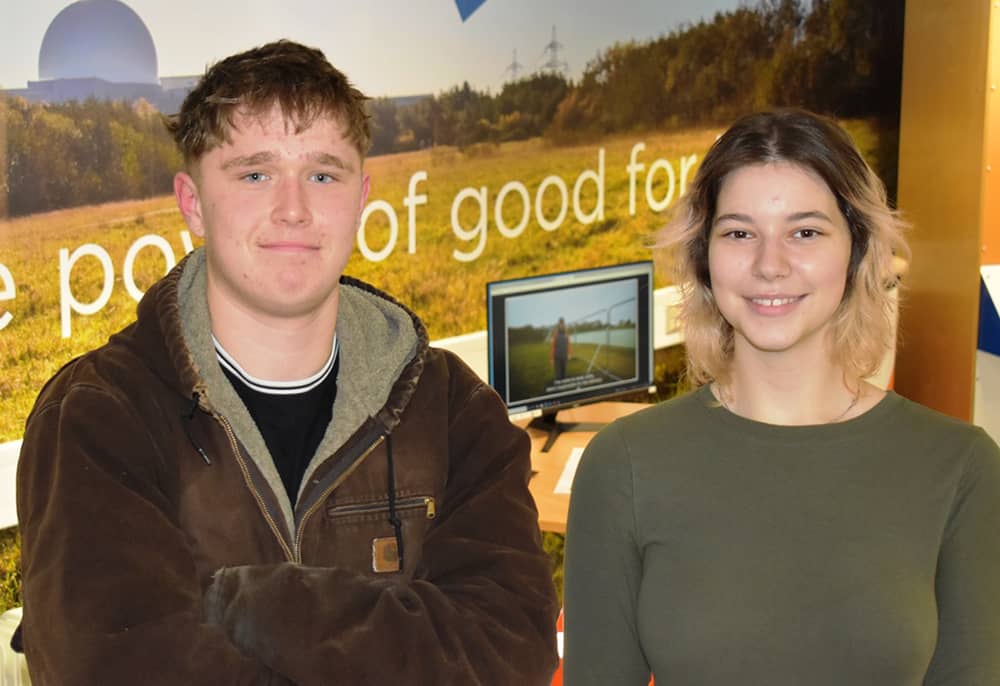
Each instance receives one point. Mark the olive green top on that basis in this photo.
(711, 549)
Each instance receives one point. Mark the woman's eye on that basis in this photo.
(807, 233)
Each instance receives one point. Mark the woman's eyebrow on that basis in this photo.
(811, 214)
(734, 216)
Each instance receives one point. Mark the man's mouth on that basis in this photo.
(290, 246)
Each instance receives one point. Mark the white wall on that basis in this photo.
(986, 405)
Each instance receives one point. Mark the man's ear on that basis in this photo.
(189, 202)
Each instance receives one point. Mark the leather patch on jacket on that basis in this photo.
(385, 555)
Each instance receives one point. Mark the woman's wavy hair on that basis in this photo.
(863, 329)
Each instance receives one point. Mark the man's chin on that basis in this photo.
(296, 304)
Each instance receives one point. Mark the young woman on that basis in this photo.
(786, 522)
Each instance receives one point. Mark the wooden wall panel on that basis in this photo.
(941, 192)
(991, 212)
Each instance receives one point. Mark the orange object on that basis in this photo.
(557, 678)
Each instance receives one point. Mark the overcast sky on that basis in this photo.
(572, 304)
(391, 47)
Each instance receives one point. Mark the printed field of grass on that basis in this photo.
(448, 293)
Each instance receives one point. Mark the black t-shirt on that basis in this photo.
(291, 416)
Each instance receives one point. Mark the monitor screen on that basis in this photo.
(558, 340)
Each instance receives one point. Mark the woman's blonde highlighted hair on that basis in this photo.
(863, 329)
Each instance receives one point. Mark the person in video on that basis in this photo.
(786, 522)
(561, 349)
(270, 477)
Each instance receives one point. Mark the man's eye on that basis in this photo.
(254, 177)
(807, 233)
(323, 178)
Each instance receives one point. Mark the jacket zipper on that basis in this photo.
(275, 529)
(426, 502)
(323, 495)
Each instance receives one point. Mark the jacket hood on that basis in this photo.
(382, 346)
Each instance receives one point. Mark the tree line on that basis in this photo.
(838, 57)
(529, 333)
(82, 153)
(841, 57)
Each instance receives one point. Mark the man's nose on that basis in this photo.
(291, 206)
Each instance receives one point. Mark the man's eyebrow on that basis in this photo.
(331, 160)
(266, 156)
(249, 160)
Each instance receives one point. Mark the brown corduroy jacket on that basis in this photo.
(159, 546)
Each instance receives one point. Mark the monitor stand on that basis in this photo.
(549, 423)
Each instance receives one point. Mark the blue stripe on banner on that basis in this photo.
(467, 7)
(989, 321)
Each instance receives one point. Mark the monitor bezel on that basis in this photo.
(554, 280)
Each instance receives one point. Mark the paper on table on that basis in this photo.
(565, 483)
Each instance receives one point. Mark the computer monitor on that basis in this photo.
(562, 340)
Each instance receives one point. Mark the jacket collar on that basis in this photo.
(382, 349)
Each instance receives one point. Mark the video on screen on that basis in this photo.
(571, 339)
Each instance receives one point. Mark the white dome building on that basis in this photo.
(102, 49)
(102, 39)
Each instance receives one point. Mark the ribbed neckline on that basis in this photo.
(268, 387)
(848, 429)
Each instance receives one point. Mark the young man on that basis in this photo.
(269, 477)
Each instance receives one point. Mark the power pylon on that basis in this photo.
(514, 68)
(554, 64)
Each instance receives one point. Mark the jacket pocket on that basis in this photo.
(359, 536)
(405, 507)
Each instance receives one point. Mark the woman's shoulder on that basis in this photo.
(913, 418)
(688, 410)
(921, 430)
(649, 430)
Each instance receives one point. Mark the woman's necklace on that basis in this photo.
(854, 401)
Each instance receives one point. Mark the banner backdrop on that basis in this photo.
(510, 138)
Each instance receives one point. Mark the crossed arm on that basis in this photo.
(112, 593)
(481, 609)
